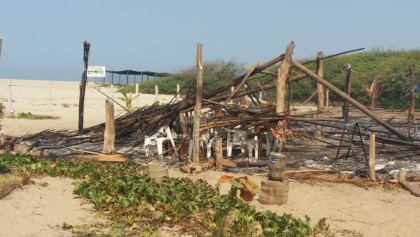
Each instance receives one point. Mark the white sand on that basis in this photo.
(41, 210)
(59, 98)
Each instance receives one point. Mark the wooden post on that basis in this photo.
(10, 99)
(282, 74)
(183, 126)
(347, 90)
(178, 92)
(157, 93)
(348, 98)
(319, 86)
(372, 155)
(86, 48)
(112, 87)
(137, 88)
(219, 152)
(109, 134)
(197, 107)
(320, 91)
(411, 109)
(327, 98)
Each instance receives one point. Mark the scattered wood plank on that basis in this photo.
(102, 157)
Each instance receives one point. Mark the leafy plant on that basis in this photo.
(122, 191)
(126, 88)
(4, 169)
(215, 74)
(128, 99)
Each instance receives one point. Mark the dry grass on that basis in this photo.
(8, 182)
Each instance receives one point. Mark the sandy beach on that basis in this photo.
(350, 210)
(59, 98)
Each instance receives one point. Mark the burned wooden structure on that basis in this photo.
(241, 112)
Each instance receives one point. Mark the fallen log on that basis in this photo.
(102, 157)
(412, 187)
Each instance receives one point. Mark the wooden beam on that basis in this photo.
(102, 157)
(319, 86)
(282, 73)
(250, 71)
(197, 108)
(218, 153)
(347, 97)
(109, 134)
(264, 87)
(239, 79)
(347, 90)
(310, 98)
(327, 98)
(319, 90)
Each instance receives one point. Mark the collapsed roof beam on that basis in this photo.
(347, 98)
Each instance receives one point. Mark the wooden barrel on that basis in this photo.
(277, 166)
(274, 192)
(157, 172)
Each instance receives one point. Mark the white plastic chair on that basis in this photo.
(157, 140)
(240, 138)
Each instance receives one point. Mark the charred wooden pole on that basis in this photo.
(109, 134)
(250, 71)
(411, 110)
(86, 48)
(197, 108)
(348, 98)
(372, 155)
(347, 90)
(282, 74)
(320, 90)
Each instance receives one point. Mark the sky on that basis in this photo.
(43, 39)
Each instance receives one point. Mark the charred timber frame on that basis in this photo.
(348, 98)
(283, 73)
(197, 107)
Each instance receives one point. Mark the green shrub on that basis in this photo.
(128, 197)
(215, 74)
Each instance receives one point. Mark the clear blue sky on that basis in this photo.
(43, 39)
